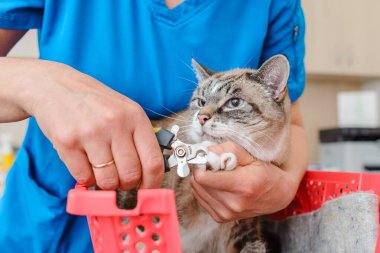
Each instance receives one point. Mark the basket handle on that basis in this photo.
(83, 202)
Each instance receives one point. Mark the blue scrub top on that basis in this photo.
(141, 49)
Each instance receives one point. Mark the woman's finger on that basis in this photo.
(127, 161)
(77, 162)
(151, 158)
(230, 181)
(103, 164)
(219, 211)
(241, 207)
(206, 207)
(242, 155)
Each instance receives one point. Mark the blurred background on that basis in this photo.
(340, 106)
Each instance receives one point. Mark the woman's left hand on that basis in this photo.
(253, 188)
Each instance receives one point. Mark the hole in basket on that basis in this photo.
(156, 219)
(156, 251)
(140, 229)
(125, 220)
(125, 251)
(124, 237)
(140, 246)
(155, 237)
(341, 190)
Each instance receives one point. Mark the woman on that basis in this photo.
(80, 130)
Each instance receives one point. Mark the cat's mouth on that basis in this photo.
(204, 133)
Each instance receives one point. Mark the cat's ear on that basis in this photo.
(275, 73)
(200, 71)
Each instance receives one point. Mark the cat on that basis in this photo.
(246, 106)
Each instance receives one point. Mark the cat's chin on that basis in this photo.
(213, 139)
(195, 136)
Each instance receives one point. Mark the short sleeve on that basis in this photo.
(286, 35)
(21, 14)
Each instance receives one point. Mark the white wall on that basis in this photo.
(27, 47)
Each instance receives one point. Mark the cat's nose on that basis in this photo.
(203, 118)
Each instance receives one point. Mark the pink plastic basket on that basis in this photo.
(152, 226)
(317, 187)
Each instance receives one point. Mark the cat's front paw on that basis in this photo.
(226, 161)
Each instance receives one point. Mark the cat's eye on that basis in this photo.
(234, 103)
(201, 102)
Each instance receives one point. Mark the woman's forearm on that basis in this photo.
(12, 89)
(298, 157)
(75, 112)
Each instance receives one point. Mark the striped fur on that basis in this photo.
(261, 124)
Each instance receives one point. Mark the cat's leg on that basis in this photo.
(246, 237)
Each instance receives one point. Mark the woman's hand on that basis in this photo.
(88, 123)
(254, 187)
(251, 189)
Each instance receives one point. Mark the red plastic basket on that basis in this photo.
(317, 187)
(152, 226)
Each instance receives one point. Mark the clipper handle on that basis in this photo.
(164, 138)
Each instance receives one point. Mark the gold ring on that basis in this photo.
(98, 166)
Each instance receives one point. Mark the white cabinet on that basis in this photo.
(343, 37)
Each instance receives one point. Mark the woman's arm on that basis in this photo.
(9, 111)
(298, 161)
(254, 187)
(76, 113)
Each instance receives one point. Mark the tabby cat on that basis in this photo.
(249, 107)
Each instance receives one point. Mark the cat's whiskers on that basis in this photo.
(186, 91)
(186, 79)
(238, 137)
(253, 145)
(187, 65)
(180, 116)
(264, 134)
(160, 114)
(246, 64)
(186, 127)
(243, 141)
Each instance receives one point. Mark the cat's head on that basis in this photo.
(249, 107)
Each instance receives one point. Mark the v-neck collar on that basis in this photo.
(177, 15)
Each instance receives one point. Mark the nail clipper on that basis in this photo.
(183, 153)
